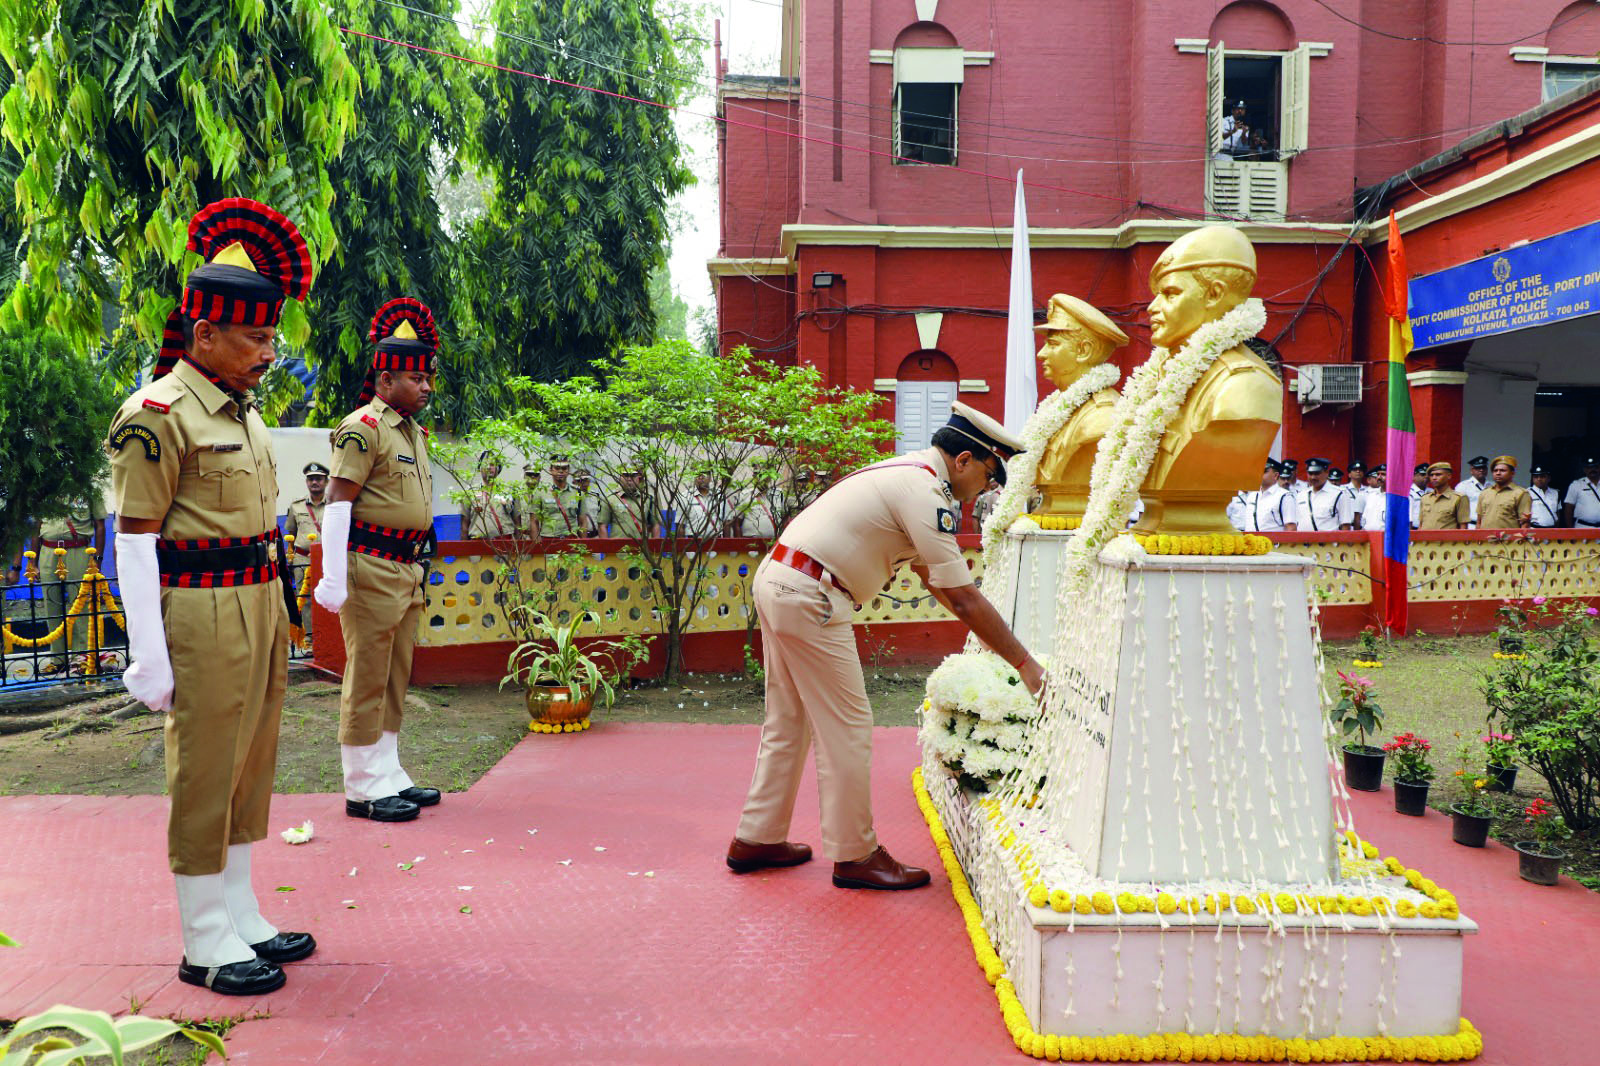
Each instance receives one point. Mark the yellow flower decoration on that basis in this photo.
(1165, 904)
(1244, 905)
(1103, 904)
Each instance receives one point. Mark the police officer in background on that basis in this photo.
(1504, 504)
(379, 525)
(305, 514)
(839, 550)
(1582, 505)
(201, 564)
(1322, 506)
(1546, 501)
(1441, 506)
(588, 501)
(563, 504)
(1374, 514)
(1419, 487)
(1472, 486)
(1269, 509)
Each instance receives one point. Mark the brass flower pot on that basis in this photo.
(555, 705)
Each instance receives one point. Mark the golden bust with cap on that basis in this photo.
(1220, 437)
(1078, 337)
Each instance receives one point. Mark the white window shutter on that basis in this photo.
(1214, 101)
(955, 121)
(1227, 189)
(894, 147)
(1296, 102)
(1266, 191)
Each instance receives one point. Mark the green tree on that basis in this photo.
(130, 117)
(561, 263)
(54, 408)
(668, 307)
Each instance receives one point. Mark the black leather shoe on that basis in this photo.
(387, 809)
(422, 797)
(286, 947)
(255, 977)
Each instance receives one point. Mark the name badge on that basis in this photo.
(405, 459)
(227, 447)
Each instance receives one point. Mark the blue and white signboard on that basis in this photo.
(1531, 285)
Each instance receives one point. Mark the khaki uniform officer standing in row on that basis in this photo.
(1441, 507)
(304, 523)
(81, 527)
(836, 553)
(1504, 504)
(382, 514)
(200, 563)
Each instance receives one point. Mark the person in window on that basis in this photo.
(1236, 132)
(1259, 148)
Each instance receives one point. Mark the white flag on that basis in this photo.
(1022, 373)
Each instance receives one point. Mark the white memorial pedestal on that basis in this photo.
(1191, 759)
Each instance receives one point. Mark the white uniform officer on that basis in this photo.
(835, 554)
(1375, 504)
(1546, 501)
(1269, 509)
(1582, 508)
(1323, 506)
(1472, 486)
(1419, 489)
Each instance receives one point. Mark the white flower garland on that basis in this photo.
(1022, 473)
(1147, 406)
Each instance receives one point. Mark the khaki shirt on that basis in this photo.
(560, 512)
(589, 507)
(869, 524)
(1503, 508)
(1444, 510)
(758, 517)
(77, 524)
(305, 522)
(493, 515)
(628, 516)
(387, 455)
(186, 454)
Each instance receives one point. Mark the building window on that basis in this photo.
(920, 409)
(1559, 77)
(1256, 120)
(927, 94)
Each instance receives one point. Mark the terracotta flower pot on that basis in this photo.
(554, 705)
(1539, 863)
(1471, 830)
(1411, 797)
(1501, 778)
(1363, 767)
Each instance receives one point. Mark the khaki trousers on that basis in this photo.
(230, 659)
(380, 632)
(814, 690)
(59, 597)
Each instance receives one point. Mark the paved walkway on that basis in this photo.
(648, 951)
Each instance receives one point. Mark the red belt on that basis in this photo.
(76, 542)
(799, 560)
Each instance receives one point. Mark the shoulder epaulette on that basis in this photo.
(369, 420)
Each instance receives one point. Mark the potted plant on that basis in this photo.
(1539, 860)
(1369, 649)
(1499, 750)
(1358, 714)
(1471, 814)
(1412, 773)
(1510, 635)
(563, 680)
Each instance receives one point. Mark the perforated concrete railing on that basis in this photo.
(463, 604)
(1342, 569)
(1490, 570)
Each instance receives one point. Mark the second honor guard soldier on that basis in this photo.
(201, 565)
(379, 520)
(838, 552)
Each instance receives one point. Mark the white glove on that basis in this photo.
(333, 590)
(149, 679)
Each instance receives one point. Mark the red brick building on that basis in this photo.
(866, 191)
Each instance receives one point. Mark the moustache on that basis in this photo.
(261, 368)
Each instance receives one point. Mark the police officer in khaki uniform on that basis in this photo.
(304, 522)
(836, 553)
(1504, 504)
(562, 503)
(1441, 507)
(492, 513)
(379, 524)
(200, 564)
(630, 511)
(80, 527)
(588, 501)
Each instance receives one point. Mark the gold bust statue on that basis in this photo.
(1218, 441)
(1077, 337)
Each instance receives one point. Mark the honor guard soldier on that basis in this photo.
(1546, 501)
(1472, 486)
(1419, 487)
(1504, 504)
(201, 568)
(73, 532)
(1582, 505)
(305, 514)
(835, 554)
(1441, 506)
(379, 526)
(1323, 506)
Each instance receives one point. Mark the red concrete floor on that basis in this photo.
(649, 951)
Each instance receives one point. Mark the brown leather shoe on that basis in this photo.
(878, 870)
(745, 858)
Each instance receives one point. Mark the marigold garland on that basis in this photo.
(1367, 664)
(559, 727)
(1466, 1043)
(1513, 655)
(1204, 544)
(1055, 523)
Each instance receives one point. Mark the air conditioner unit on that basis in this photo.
(1329, 383)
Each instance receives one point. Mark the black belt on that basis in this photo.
(218, 562)
(400, 545)
(1585, 525)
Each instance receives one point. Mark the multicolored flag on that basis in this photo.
(1402, 442)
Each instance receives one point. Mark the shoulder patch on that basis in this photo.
(351, 436)
(157, 405)
(947, 520)
(144, 435)
(369, 420)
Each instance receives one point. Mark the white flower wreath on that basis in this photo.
(1022, 472)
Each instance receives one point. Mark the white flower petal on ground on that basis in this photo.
(298, 834)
